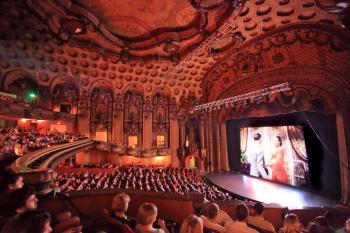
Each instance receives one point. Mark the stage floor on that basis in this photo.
(268, 192)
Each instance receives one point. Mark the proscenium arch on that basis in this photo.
(330, 84)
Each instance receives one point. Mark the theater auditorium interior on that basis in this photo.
(174, 116)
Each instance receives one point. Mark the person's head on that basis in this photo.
(284, 212)
(32, 221)
(147, 214)
(347, 225)
(291, 223)
(322, 222)
(259, 208)
(121, 202)
(313, 227)
(14, 181)
(192, 224)
(277, 141)
(212, 210)
(241, 212)
(257, 137)
(21, 200)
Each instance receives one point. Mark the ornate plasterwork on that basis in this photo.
(301, 54)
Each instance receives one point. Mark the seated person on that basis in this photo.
(346, 228)
(31, 221)
(146, 216)
(291, 224)
(11, 182)
(25, 199)
(240, 225)
(192, 224)
(212, 211)
(313, 227)
(120, 206)
(323, 222)
(219, 217)
(21, 200)
(258, 220)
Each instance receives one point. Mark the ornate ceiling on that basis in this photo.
(161, 29)
(167, 43)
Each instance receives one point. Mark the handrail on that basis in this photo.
(46, 164)
(21, 165)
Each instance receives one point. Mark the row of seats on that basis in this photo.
(181, 181)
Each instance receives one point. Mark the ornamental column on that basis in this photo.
(202, 133)
(223, 149)
(174, 134)
(181, 150)
(118, 119)
(83, 119)
(343, 131)
(147, 124)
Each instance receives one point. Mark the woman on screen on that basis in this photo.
(276, 163)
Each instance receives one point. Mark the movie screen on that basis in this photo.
(275, 153)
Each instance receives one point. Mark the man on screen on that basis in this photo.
(257, 160)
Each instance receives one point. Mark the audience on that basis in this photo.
(32, 221)
(18, 203)
(146, 216)
(192, 224)
(240, 225)
(291, 224)
(180, 181)
(258, 220)
(18, 141)
(17, 200)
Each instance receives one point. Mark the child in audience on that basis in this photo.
(212, 211)
(192, 224)
(120, 206)
(291, 224)
(146, 216)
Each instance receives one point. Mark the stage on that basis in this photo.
(268, 192)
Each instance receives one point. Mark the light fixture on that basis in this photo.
(254, 96)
